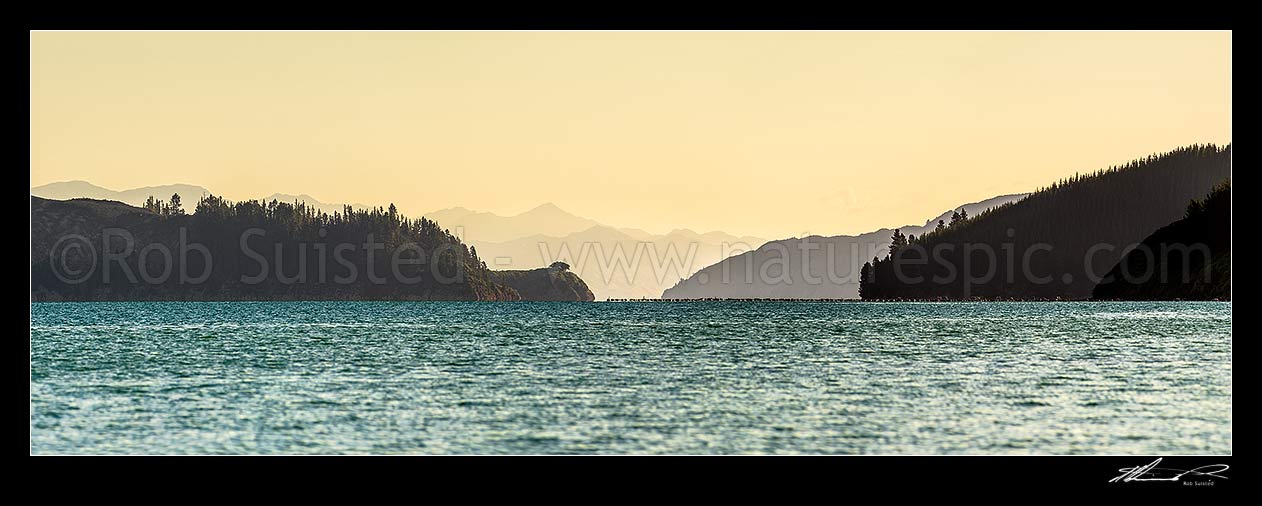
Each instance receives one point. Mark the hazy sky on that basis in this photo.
(770, 133)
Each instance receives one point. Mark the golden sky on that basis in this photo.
(769, 133)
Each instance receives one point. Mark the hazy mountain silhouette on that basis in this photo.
(546, 219)
(1072, 232)
(775, 270)
(67, 190)
(617, 262)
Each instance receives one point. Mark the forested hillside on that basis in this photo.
(1189, 259)
(257, 251)
(1056, 243)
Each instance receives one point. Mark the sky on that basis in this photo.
(775, 134)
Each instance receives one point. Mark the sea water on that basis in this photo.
(631, 378)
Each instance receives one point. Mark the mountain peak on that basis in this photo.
(548, 209)
(77, 184)
(546, 206)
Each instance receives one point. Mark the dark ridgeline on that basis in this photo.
(1103, 212)
(1171, 263)
(450, 269)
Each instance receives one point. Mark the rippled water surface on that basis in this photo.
(712, 377)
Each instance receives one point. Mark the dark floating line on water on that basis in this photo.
(757, 299)
(723, 299)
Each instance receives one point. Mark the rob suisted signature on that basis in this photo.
(1151, 472)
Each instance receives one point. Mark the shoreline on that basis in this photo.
(625, 300)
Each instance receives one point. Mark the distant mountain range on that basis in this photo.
(66, 190)
(830, 271)
(1116, 207)
(547, 219)
(616, 262)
